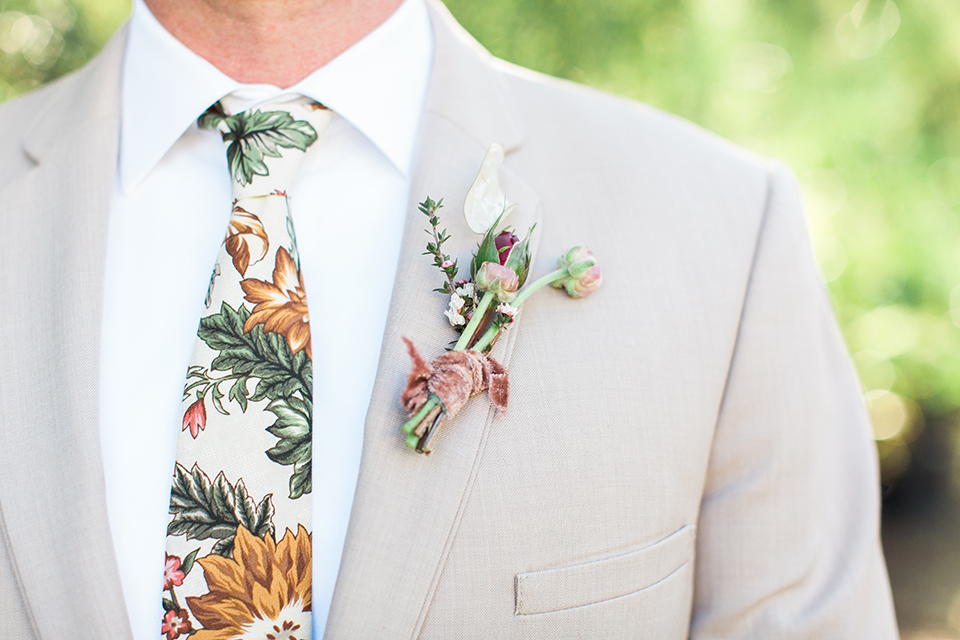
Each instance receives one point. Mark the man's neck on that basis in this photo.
(276, 42)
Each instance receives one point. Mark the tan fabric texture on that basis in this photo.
(702, 392)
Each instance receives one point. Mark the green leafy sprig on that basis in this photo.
(441, 260)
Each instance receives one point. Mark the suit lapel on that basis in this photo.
(408, 506)
(54, 514)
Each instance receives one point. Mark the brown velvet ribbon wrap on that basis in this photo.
(454, 377)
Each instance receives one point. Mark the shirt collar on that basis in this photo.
(378, 85)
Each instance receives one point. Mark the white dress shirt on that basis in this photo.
(168, 218)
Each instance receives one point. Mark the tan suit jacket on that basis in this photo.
(685, 453)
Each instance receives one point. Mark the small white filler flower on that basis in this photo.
(468, 290)
(453, 311)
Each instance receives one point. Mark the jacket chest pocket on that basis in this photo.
(644, 593)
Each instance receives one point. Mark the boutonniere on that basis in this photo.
(480, 307)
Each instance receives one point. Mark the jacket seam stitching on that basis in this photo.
(610, 599)
(765, 215)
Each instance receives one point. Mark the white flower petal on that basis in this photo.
(455, 318)
(485, 200)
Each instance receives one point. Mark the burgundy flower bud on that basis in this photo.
(504, 248)
(504, 243)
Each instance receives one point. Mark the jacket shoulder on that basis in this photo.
(629, 180)
(591, 128)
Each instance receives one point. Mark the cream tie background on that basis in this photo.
(238, 545)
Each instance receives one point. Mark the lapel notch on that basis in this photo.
(84, 98)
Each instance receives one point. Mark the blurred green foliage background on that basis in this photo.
(860, 98)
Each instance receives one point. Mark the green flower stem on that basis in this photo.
(412, 423)
(471, 328)
(487, 338)
(432, 410)
(173, 598)
(492, 332)
(527, 291)
(490, 312)
(424, 445)
(193, 385)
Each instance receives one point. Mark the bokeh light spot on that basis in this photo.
(944, 179)
(862, 32)
(831, 255)
(955, 305)
(759, 66)
(726, 14)
(891, 330)
(824, 191)
(15, 31)
(32, 36)
(887, 412)
(875, 370)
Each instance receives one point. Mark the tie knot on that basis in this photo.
(266, 144)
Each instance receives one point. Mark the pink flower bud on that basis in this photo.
(195, 418)
(446, 264)
(501, 280)
(574, 255)
(584, 275)
(587, 283)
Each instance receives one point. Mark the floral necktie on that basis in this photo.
(240, 504)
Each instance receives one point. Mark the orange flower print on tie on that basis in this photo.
(281, 306)
(246, 240)
(263, 591)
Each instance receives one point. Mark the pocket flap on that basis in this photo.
(592, 582)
